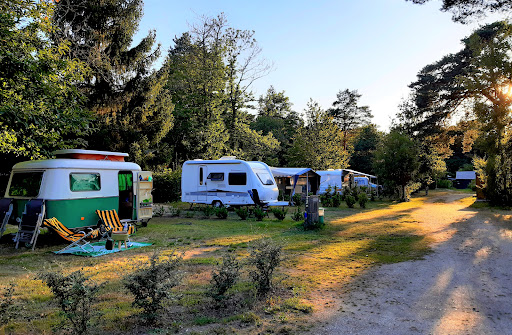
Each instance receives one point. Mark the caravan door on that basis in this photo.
(202, 187)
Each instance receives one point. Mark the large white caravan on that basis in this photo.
(228, 182)
(332, 179)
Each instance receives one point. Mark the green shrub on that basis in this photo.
(173, 211)
(264, 256)
(362, 198)
(7, 307)
(221, 212)
(166, 186)
(298, 215)
(444, 183)
(297, 200)
(279, 213)
(259, 213)
(224, 276)
(151, 284)
(75, 294)
(337, 200)
(350, 200)
(208, 211)
(242, 212)
(189, 214)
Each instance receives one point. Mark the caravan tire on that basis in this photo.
(217, 204)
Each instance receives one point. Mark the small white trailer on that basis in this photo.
(228, 182)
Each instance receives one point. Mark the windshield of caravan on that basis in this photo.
(265, 177)
(25, 184)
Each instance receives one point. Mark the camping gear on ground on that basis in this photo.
(110, 222)
(77, 239)
(120, 237)
(109, 244)
(78, 182)
(6, 208)
(228, 182)
(30, 223)
(99, 249)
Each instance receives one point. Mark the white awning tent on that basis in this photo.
(294, 174)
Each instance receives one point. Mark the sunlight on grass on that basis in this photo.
(315, 262)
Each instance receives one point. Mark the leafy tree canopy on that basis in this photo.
(464, 10)
(40, 108)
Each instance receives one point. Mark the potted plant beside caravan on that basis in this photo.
(228, 182)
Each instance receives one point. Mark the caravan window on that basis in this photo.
(25, 184)
(265, 178)
(216, 176)
(84, 182)
(237, 178)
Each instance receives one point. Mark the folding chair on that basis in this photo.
(6, 207)
(110, 222)
(30, 223)
(78, 238)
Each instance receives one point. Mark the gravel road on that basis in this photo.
(463, 287)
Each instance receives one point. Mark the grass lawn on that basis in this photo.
(316, 265)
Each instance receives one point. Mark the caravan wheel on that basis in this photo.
(217, 204)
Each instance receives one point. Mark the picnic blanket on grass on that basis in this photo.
(98, 249)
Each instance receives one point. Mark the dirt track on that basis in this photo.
(463, 287)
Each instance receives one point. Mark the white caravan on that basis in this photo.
(332, 179)
(228, 182)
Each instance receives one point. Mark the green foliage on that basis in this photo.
(298, 215)
(348, 115)
(362, 199)
(151, 284)
(242, 212)
(318, 145)
(208, 211)
(365, 145)
(167, 186)
(279, 213)
(330, 198)
(221, 212)
(224, 276)
(297, 199)
(7, 306)
(265, 257)
(40, 107)
(259, 213)
(132, 104)
(444, 183)
(465, 10)
(397, 163)
(350, 200)
(75, 294)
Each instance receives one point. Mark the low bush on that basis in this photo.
(166, 186)
(259, 213)
(7, 307)
(173, 211)
(362, 199)
(297, 200)
(151, 284)
(75, 294)
(224, 276)
(279, 213)
(264, 257)
(444, 183)
(208, 211)
(242, 212)
(298, 215)
(350, 200)
(221, 212)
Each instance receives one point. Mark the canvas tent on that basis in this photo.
(296, 180)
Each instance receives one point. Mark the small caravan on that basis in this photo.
(79, 182)
(228, 182)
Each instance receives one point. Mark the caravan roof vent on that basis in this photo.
(91, 155)
(227, 158)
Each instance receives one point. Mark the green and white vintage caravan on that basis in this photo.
(78, 182)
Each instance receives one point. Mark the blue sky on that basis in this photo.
(320, 47)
